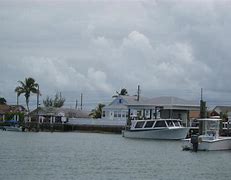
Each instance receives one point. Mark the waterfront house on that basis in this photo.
(11, 111)
(225, 113)
(159, 107)
(218, 110)
(55, 115)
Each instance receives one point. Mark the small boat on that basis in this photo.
(11, 128)
(210, 139)
(169, 129)
(12, 125)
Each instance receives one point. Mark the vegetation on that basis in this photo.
(58, 101)
(10, 116)
(27, 87)
(123, 92)
(2, 100)
(97, 112)
(224, 116)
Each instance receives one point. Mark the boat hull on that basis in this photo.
(12, 128)
(222, 143)
(168, 134)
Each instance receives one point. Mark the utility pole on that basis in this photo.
(138, 93)
(17, 99)
(38, 97)
(81, 101)
(201, 94)
(76, 104)
(38, 93)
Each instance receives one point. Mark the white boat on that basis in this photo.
(210, 139)
(12, 128)
(156, 129)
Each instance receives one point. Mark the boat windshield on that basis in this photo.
(170, 123)
(211, 128)
(176, 123)
(160, 124)
(139, 124)
(149, 124)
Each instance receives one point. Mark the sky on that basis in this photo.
(168, 47)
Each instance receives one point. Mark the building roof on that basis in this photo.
(132, 100)
(164, 101)
(67, 112)
(222, 109)
(4, 108)
(116, 106)
(171, 100)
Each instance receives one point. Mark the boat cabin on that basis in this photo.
(155, 124)
(210, 128)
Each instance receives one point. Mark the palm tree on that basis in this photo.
(97, 112)
(2, 100)
(123, 92)
(27, 87)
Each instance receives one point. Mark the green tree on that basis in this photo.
(48, 102)
(97, 112)
(28, 87)
(2, 100)
(58, 101)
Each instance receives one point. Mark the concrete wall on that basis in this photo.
(83, 121)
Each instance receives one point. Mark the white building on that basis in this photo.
(55, 115)
(147, 108)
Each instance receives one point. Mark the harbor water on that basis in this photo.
(80, 155)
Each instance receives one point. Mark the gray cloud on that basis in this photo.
(98, 47)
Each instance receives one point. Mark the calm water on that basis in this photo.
(104, 156)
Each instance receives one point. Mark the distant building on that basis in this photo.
(11, 109)
(147, 108)
(55, 115)
(220, 109)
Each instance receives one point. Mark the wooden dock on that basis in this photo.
(58, 127)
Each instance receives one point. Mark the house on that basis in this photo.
(123, 107)
(11, 111)
(55, 115)
(218, 110)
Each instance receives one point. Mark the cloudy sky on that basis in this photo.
(169, 48)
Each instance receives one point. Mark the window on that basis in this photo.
(147, 113)
(160, 124)
(139, 124)
(103, 113)
(115, 114)
(119, 114)
(170, 123)
(149, 124)
(176, 123)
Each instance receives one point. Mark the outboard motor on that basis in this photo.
(194, 141)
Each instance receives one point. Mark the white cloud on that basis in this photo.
(165, 46)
